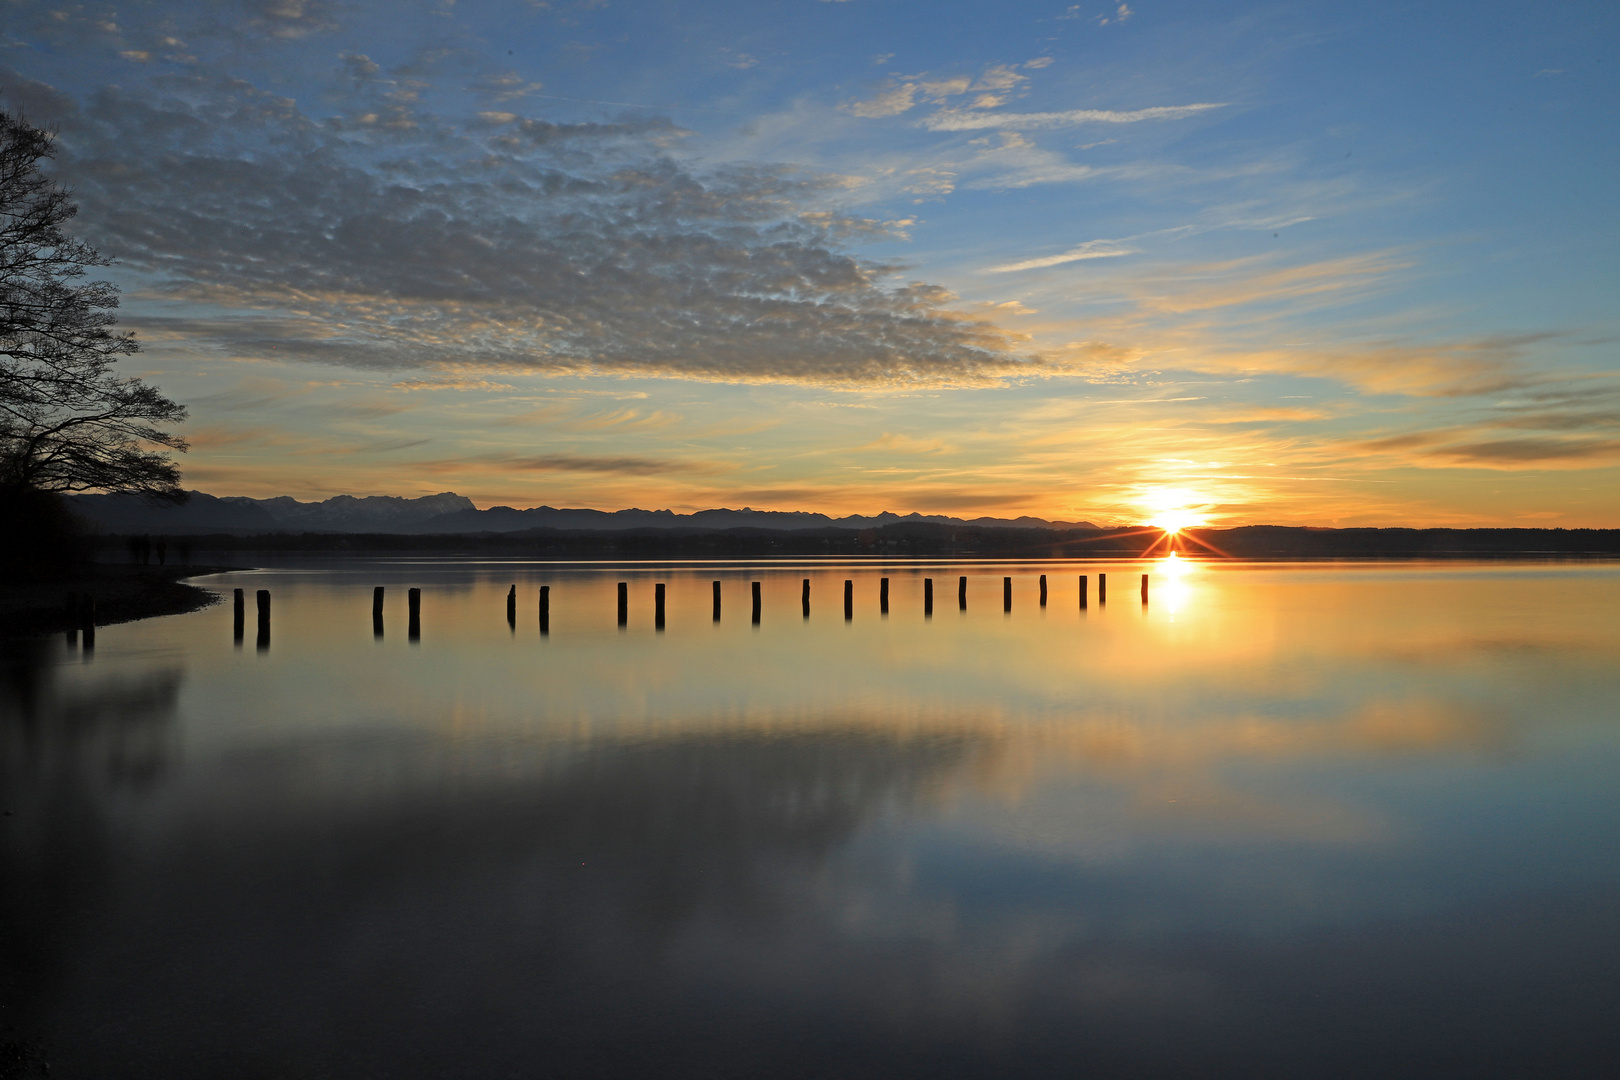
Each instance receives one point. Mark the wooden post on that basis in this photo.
(807, 598)
(376, 612)
(756, 603)
(624, 603)
(1043, 590)
(511, 608)
(961, 593)
(413, 603)
(545, 610)
(658, 605)
(1144, 588)
(264, 619)
(849, 599)
(87, 621)
(1102, 588)
(238, 616)
(928, 597)
(1006, 594)
(716, 601)
(883, 596)
(1082, 590)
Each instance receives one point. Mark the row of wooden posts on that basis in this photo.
(849, 599)
(414, 604)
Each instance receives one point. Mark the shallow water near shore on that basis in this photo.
(1280, 820)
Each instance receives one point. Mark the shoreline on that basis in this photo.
(122, 594)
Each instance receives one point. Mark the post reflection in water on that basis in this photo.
(1284, 821)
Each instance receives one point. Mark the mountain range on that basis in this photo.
(448, 512)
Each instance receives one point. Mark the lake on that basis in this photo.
(1279, 821)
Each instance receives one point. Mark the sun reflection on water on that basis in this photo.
(1173, 579)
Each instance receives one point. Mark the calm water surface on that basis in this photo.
(1283, 821)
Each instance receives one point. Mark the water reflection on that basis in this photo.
(1329, 824)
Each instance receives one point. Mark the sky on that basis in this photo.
(1289, 263)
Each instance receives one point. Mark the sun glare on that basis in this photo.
(1172, 509)
(1172, 521)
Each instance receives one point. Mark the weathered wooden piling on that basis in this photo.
(1102, 588)
(883, 596)
(511, 608)
(806, 598)
(928, 597)
(849, 599)
(756, 603)
(1144, 588)
(413, 605)
(376, 612)
(716, 601)
(264, 619)
(658, 605)
(87, 621)
(961, 593)
(1043, 590)
(238, 616)
(624, 603)
(1006, 594)
(1082, 590)
(545, 609)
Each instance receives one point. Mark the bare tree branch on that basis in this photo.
(66, 422)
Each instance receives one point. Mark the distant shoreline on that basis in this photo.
(122, 593)
(917, 540)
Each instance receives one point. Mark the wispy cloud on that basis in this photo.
(964, 120)
(1091, 249)
(564, 463)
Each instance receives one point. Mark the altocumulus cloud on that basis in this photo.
(390, 237)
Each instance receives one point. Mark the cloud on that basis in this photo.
(1091, 249)
(1574, 423)
(1014, 307)
(391, 238)
(901, 93)
(1249, 281)
(905, 444)
(960, 120)
(892, 100)
(1510, 453)
(566, 463)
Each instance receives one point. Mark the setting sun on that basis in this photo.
(1172, 509)
(1172, 521)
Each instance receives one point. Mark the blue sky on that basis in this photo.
(1300, 263)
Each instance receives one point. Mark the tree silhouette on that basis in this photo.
(67, 423)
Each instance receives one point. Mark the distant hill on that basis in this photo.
(448, 513)
(204, 513)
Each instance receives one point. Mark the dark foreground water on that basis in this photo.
(1281, 822)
